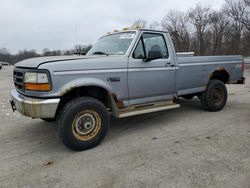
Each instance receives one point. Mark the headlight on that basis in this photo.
(30, 77)
(37, 81)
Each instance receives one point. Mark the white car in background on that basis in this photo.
(4, 63)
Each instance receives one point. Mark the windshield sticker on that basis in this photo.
(127, 36)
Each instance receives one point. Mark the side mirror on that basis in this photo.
(152, 55)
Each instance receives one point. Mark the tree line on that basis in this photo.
(200, 29)
(5, 56)
(206, 31)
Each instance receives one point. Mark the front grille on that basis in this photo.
(18, 77)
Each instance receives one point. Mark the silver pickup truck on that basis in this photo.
(126, 73)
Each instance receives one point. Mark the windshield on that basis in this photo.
(115, 44)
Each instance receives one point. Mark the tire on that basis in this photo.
(48, 119)
(188, 97)
(83, 123)
(215, 97)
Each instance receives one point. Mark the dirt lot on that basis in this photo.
(185, 147)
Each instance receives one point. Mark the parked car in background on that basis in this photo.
(5, 63)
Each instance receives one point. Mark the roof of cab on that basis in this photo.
(133, 30)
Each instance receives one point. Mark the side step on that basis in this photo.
(147, 108)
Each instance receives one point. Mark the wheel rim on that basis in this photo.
(86, 125)
(218, 96)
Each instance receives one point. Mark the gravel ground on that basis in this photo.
(184, 147)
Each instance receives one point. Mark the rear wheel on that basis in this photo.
(83, 123)
(215, 96)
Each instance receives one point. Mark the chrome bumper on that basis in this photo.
(33, 107)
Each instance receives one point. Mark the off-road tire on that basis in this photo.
(66, 123)
(215, 97)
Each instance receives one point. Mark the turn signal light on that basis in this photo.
(37, 87)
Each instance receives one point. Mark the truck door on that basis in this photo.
(150, 80)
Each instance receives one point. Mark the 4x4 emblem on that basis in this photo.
(113, 79)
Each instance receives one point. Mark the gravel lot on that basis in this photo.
(184, 147)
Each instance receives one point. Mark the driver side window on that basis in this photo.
(150, 43)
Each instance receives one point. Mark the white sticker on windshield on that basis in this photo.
(127, 36)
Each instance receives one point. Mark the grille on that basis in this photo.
(18, 77)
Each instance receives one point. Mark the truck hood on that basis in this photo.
(35, 62)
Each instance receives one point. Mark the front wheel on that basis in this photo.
(83, 123)
(215, 96)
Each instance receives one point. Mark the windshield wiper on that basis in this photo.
(99, 53)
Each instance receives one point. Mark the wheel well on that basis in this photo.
(221, 75)
(90, 91)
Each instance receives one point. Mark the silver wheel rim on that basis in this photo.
(85, 124)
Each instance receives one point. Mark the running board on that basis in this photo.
(147, 108)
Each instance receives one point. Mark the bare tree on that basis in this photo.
(235, 10)
(239, 10)
(219, 24)
(140, 23)
(155, 25)
(199, 17)
(82, 49)
(175, 22)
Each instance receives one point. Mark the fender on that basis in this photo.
(80, 82)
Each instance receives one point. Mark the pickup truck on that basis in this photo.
(126, 73)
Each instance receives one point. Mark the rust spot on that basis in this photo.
(119, 104)
(220, 69)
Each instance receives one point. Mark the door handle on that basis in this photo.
(167, 64)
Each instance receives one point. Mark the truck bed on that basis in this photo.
(194, 72)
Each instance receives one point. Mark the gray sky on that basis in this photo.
(37, 24)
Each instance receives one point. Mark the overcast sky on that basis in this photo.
(59, 24)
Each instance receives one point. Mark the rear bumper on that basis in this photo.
(33, 107)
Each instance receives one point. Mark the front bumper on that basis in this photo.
(33, 107)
